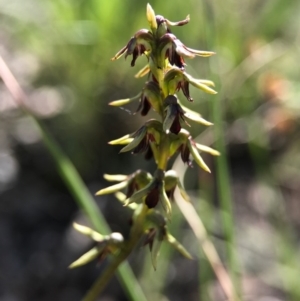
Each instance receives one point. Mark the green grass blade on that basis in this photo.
(223, 175)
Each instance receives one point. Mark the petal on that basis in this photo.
(119, 53)
(87, 257)
(144, 71)
(89, 232)
(185, 154)
(207, 149)
(172, 79)
(123, 140)
(152, 93)
(131, 46)
(149, 154)
(178, 246)
(186, 90)
(183, 50)
(206, 82)
(197, 118)
(122, 102)
(138, 196)
(203, 87)
(179, 23)
(140, 135)
(113, 188)
(200, 52)
(156, 247)
(163, 199)
(192, 115)
(182, 191)
(176, 126)
(152, 198)
(122, 198)
(196, 156)
(146, 106)
(198, 84)
(115, 178)
(142, 147)
(170, 117)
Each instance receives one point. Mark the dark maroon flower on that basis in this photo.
(185, 155)
(175, 115)
(153, 193)
(184, 86)
(136, 181)
(150, 98)
(173, 49)
(145, 137)
(139, 44)
(153, 196)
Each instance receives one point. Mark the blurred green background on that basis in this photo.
(60, 52)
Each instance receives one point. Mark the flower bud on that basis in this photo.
(151, 18)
